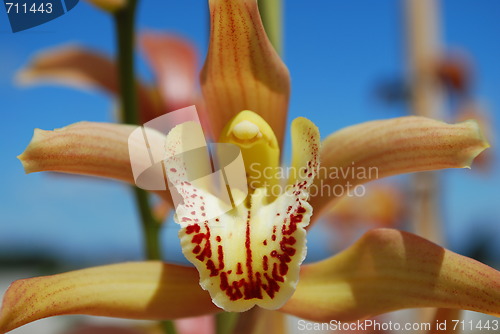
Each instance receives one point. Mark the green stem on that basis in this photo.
(151, 227)
(125, 30)
(124, 20)
(225, 322)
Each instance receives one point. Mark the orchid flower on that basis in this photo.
(173, 60)
(255, 257)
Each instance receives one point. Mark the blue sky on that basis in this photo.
(337, 52)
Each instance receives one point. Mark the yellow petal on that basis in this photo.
(387, 270)
(242, 70)
(250, 254)
(87, 148)
(258, 145)
(305, 148)
(377, 149)
(141, 290)
(83, 68)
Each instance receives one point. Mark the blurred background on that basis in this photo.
(349, 62)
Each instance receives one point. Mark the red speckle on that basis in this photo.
(220, 257)
(301, 209)
(192, 228)
(198, 238)
(173, 170)
(264, 242)
(265, 263)
(218, 238)
(211, 267)
(239, 269)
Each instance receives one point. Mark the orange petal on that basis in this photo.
(388, 270)
(174, 62)
(381, 206)
(377, 149)
(76, 66)
(140, 290)
(72, 65)
(242, 70)
(87, 148)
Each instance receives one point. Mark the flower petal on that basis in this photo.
(174, 62)
(242, 70)
(72, 65)
(141, 290)
(249, 254)
(387, 270)
(383, 205)
(76, 66)
(87, 148)
(377, 149)
(477, 112)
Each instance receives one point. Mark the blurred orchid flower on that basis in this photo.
(381, 205)
(256, 258)
(173, 60)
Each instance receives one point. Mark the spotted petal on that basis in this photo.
(249, 255)
(377, 149)
(242, 70)
(387, 270)
(141, 290)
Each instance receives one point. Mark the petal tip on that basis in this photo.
(481, 146)
(24, 77)
(26, 157)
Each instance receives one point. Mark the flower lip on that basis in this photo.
(249, 254)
